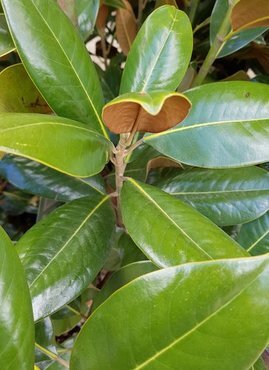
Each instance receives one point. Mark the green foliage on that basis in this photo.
(159, 256)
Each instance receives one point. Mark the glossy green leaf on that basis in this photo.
(228, 126)
(227, 197)
(160, 54)
(87, 11)
(168, 323)
(6, 43)
(237, 40)
(60, 143)
(129, 251)
(18, 93)
(16, 317)
(44, 336)
(169, 231)
(80, 232)
(55, 57)
(254, 236)
(121, 278)
(35, 178)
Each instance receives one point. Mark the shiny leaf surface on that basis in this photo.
(121, 278)
(228, 126)
(160, 54)
(80, 232)
(239, 40)
(56, 59)
(163, 228)
(35, 178)
(18, 93)
(87, 11)
(227, 197)
(16, 317)
(44, 336)
(236, 40)
(177, 326)
(60, 143)
(154, 111)
(6, 43)
(254, 236)
(129, 251)
(248, 14)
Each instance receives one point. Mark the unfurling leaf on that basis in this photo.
(250, 14)
(126, 27)
(154, 111)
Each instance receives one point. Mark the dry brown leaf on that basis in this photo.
(238, 76)
(126, 116)
(102, 17)
(162, 162)
(126, 27)
(250, 14)
(257, 52)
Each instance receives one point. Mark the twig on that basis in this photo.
(193, 10)
(52, 355)
(215, 49)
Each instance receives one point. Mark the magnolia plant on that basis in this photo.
(147, 185)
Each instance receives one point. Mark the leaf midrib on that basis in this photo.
(218, 192)
(70, 239)
(168, 217)
(182, 337)
(253, 245)
(203, 124)
(174, 17)
(49, 123)
(74, 70)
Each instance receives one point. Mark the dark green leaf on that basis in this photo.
(35, 178)
(227, 197)
(160, 54)
(240, 39)
(168, 323)
(56, 59)
(16, 317)
(6, 43)
(254, 236)
(44, 336)
(65, 145)
(169, 231)
(78, 232)
(228, 126)
(121, 278)
(129, 251)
